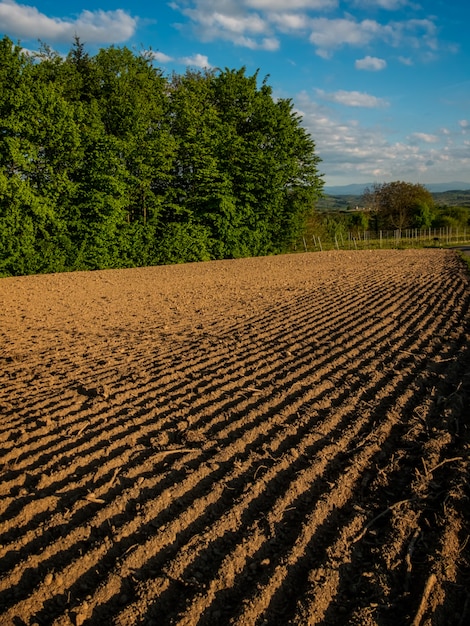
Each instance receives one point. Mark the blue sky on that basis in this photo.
(383, 85)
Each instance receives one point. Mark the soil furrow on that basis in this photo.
(261, 441)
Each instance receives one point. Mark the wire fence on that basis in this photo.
(368, 239)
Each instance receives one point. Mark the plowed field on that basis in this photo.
(272, 441)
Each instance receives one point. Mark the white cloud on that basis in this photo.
(415, 33)
(370, 63)
(280, 5)
(389, 5)
(237, 24)
(464, 124)
(426, 137)
(197, 60)
(249, 23)
(353, 152)
(229, 21)
(257, 23)
(289, 22)
(329, 34)
(160, 57)
(406, 61)
(269, 43)
(352, 99)
(26, 22)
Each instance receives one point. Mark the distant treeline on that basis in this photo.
(341, 225)
(403, 209)
(442, 199)
(106, 162)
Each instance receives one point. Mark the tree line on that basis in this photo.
(106, 162)
(400, 205)
(393, 206)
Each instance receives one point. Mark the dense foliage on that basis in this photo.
(400, 205)
(105, 162)
(395, 206)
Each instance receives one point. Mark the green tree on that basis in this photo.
(400, 205)
(452, 216)
(269, 159)
(101, 199)
(421, 214)
(38, 147)
(104, 162)
(183, 243)
(201, 193)
(133, 105)
(31, 237)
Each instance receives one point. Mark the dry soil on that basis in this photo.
(271, 441)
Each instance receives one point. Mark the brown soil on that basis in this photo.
(282, 440)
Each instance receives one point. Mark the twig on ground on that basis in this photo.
(161, 454)
(455, 458)
(424, 600)
(411, 353)
(79, 432)
(377, 517)
(113, 477)
(257, 470)
(92, 498)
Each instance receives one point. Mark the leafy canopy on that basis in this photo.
(105, 162)
(401, 205)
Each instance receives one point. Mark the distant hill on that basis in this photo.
(343, 202)
(452, 198)
(357, 189)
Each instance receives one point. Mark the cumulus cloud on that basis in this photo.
(426, 137)
(389, 5)
(197, 60)
(237, 24)
(257, 24)
(415, 33)
(229, 21)
(330, 34)
(354, 152)
(280, 5)
(290, 22)
(353, 99)
(249, 23)
(160, 57)
(373, 64)
(26, 22)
